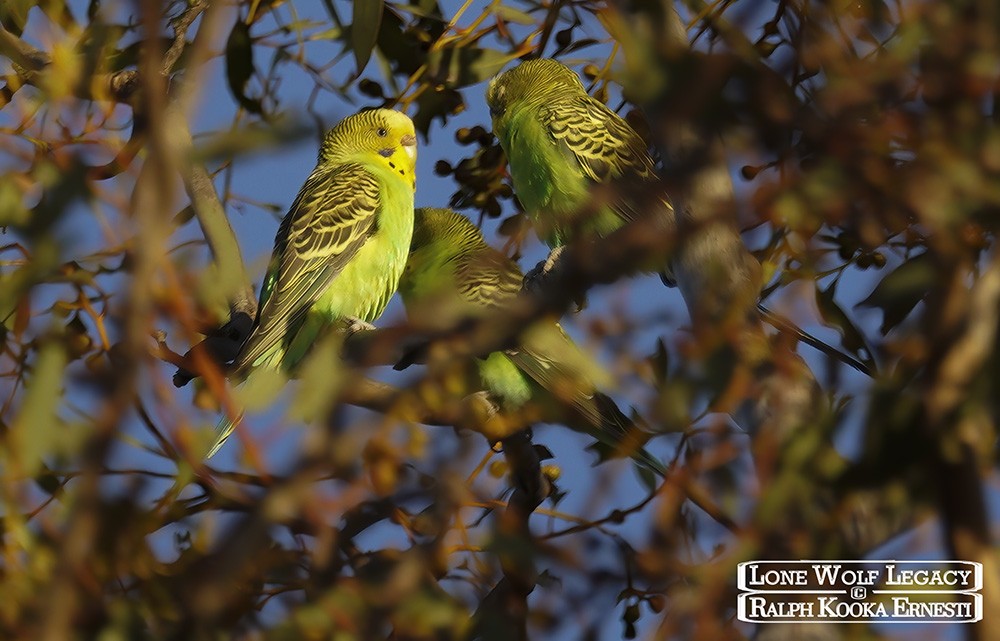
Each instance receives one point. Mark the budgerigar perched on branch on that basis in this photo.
(342, 246)
(452, 274)
(579, 169)
(563, 146)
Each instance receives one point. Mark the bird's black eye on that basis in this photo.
(382, 132)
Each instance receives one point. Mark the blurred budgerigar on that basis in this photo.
(342, 246)
(562, 146)
(452, 273)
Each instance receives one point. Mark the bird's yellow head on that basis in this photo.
(531, 81)
(382, 135)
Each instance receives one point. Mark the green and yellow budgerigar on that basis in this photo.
(452, 274)
(562, 146)
(580, 169)
(342, 246)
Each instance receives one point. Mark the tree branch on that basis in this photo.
(21, 53)
(181, 25)
(966, 339)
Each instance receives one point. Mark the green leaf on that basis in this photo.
(660, 363)
(327, 35)
(437, 102)
(47, 480)
(12, 210)
(332, 12)
(35, 431)
(364, 29)
(433, 12)
(515, 227)
(901, 290)
(851, 337)
(511, 14)
(580, 44)
(466, 66)
(182, 217)
(429, 7)
(402, 46)
(648, 479)
(239, 65)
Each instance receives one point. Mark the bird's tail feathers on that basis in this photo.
(223, 430)
(784, 324)
(619, 436)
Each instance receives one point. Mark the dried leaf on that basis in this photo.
(22, 316)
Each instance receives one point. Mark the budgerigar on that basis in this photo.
(452, 273)
(563, 146)
(342, 246)
(578, 168)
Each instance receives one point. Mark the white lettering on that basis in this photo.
(826, 574)
(833, 574)
(761, 608)
(834, 608)
(950, 578)
(849, 591)
(904, 607)
(779, 577)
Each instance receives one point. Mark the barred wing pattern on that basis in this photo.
(607, 149)
(332, 217)
(487, 278)
(604, 145)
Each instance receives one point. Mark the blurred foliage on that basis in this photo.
(868, 136)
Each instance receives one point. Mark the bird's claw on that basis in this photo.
(353, 325)
(536, 278)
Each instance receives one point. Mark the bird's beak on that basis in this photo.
(409, 142)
